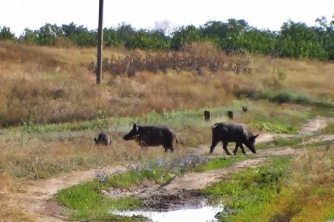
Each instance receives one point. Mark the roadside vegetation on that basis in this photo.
(288, 189)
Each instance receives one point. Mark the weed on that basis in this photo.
(329, 129)
(247, 191)
(276, 128)
(282, 141)
(221, 162)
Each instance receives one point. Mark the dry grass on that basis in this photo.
(8, 213)
(54, 85)
(309, 195)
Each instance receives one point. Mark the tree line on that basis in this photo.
(293, 40)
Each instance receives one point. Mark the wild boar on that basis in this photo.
(232, 132)
(103, 139)
(153, 136)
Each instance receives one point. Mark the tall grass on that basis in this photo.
(53, 85)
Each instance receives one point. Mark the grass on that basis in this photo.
(38, 151)
(9, 213)
(62, 83)
(221, 162)
(85, 201)
(260, 118)
(309, 188)
(280, 141)
(288, 189)
(318, 111)
(249, 190)
(329, 129)
(252, 193)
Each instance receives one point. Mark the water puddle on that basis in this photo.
(201, 214)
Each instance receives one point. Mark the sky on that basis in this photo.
(271, 14)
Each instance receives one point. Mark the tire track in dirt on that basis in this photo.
(35, 199)
(198, 180)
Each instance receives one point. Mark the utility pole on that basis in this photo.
(99, 45)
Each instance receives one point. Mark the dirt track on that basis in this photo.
(38, 192)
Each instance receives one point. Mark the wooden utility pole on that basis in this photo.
(99, 45)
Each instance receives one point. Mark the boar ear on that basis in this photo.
(135, 127)
(256, 136)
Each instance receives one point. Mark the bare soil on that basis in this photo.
(179, 191)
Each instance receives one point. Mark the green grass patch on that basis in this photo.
(180, 119)
(321, 111)
(249, 191)
(287, 128)
(85, 201)
(280, 141)
(221, 162)
(329, 129)
(287, 141)
(288, 96)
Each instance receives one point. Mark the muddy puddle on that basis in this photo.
(194, 214)
(179, 205)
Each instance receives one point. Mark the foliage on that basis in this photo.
(293, 40)
(221, 162)
(276, 128)
(329, 129)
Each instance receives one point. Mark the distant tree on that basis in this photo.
(110, 37)
(125, 32)
(29, 37)
(185, 34)
(293, 40)
(299, 41)
(6, 34)
(326, 31)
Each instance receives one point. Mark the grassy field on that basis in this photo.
(51, 107)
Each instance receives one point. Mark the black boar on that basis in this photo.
(230, 114)
(153, 136)
(207, 115)
(103, 139)
(232, 132)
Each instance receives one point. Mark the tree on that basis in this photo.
(29, 37)
(6, 34)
